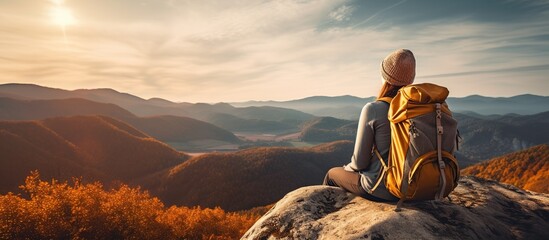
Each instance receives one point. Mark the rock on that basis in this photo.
(479, 209)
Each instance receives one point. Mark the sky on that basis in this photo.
(229, 51)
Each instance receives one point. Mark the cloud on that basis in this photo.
(343, 13)
(375, 14)
(212, 51)
(544, 67)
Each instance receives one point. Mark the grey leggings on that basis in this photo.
(350, 181)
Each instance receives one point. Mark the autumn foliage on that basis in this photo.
(58, 210)
(527, 169)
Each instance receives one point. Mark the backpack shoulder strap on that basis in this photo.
(385, 99)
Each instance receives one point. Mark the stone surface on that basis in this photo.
(479, 209)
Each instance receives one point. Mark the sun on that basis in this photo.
(62, 16)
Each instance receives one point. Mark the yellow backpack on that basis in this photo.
(421, 164)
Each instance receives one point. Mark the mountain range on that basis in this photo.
(97, 134)
(484, 136)
(105, 149)
(300, 110)
(273, 119)
(165, 128)
(348, 107)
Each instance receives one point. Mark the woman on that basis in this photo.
(361, 174)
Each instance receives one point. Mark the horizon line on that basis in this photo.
(244, 101)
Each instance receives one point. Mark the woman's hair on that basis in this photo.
(388, 90)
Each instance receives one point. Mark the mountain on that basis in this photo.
(117, 148)
(348, 107)
(527, 169)
(484, 139)
(247, 178)
(479, 209)
(95, 147)
(327, 129)
(164, 128)
(155, 106)
(27, 146)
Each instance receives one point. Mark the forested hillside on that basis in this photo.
(247, 178)
(95, 147)
(528, 169)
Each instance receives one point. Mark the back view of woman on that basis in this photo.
(361, 174)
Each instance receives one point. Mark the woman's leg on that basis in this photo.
(349, 181)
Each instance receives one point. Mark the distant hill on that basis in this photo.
(289, 118)
(344, 107)
(247, 178)
(237, 124)
(348, 107)
(327, 129)
(164, 128)
(527, 169)
(522, 104)
(181, 129)
(96, 147)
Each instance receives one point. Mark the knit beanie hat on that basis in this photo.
(399, 68)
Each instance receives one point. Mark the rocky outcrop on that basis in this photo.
(477, 209)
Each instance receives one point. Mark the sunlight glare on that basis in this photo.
(62, 16)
